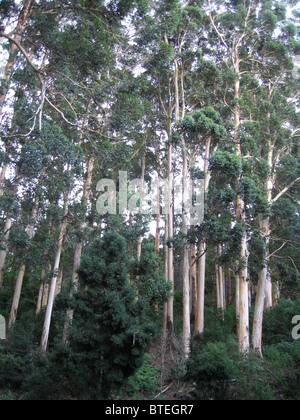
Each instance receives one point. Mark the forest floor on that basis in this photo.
(162, 375)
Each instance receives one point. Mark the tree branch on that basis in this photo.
(286, 189)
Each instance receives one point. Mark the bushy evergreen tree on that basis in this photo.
(110, 332)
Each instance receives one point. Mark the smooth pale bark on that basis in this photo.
(219, 305)
(220, 280)
(16, 298)
(59, 283)
(170, 304)
(3, 253)
(264, 286)
(140, 238)
(2, 177)
(244, 337)
(199, 319)
(43, 292)
(40, 295)
(259, 311)
(237, 301)
(186, 268)
(166, 271)
(17, 35)
(244, 333)
(45, 295)
(19, 283)
(193, 280)
(48, 315)
(157, 235)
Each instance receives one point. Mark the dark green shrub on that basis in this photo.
(278, 322)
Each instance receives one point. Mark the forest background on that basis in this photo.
(134, 305)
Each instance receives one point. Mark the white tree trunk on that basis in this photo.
(3, 253)
(140, 238)
(200, 313)
(19, 283)
(199, 320)
(193, 280)
(16, 298)
(170, 305)
(48, 315)
(186, 268)
(259, 311)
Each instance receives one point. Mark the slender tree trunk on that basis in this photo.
(45, 295)
(237, 302)
(2, 177)
(59, 283)
(165, 326)
(170, 317)
(40, 294)
(186, 271)
(244, 339)
(18, 31)
(140, 238)
(3, 253)
(193, 280)
(258, 315)
(199, 320)
(264, 288)
(19, 282)
(157, 235)
(16, 298)
(48, 315)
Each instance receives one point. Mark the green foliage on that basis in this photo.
(8, 397)
(150, 279)
(278, 322)
(110, 333)
(145, 382)
(225, 163)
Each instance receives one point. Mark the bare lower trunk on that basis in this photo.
(199, 321)
(244, 339)
(237, 301)
(140, 238)
(3, 252)
(261, 294)
(45, 295)
(40, 296)
(186, 268)
(259, 312)
(165, 326)
(170, 306)
(48, 315)
(16, 298)
(75, 284)
(2, 177)
(193, 280)
(19, 283)
(157, 235)
(17, 35)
